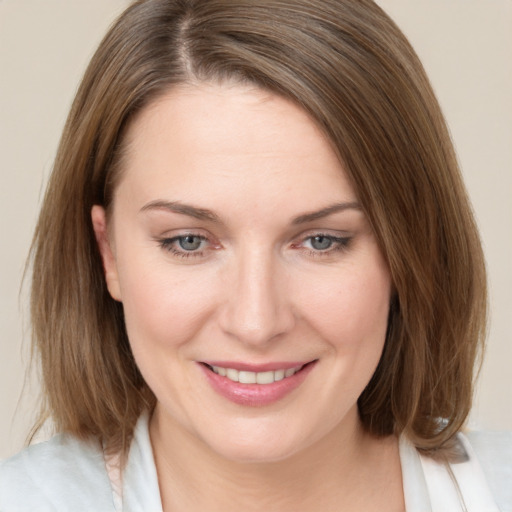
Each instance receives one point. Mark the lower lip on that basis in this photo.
(256, 395)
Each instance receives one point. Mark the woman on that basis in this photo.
(257, 280)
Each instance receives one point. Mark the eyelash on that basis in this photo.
(168, 245)
(339, 244)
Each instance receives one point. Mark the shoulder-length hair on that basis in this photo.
(349, 66)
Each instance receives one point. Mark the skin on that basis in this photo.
(257, 289)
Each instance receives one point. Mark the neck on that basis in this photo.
(331, 474)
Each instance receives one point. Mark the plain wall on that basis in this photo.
(466, 47)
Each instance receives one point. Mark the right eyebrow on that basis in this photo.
(181, 208)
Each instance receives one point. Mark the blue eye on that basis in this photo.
(321, 242)
(185, 246)
(325, 244)
(190, 242)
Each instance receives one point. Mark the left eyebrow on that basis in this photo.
(324, 212)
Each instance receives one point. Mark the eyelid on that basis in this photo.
(341, 242)
(334, 234)
(169, 243)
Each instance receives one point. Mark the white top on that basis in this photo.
(66, 474)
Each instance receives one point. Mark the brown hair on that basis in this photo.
(348, 65)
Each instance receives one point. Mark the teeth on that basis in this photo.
(255, 377)
(279, 375)
(232, 374)
(247, 377)
(265, 377)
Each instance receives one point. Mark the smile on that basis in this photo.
(247, 377)
(255, 385)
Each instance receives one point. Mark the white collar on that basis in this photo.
(431, 486)
(428, 486)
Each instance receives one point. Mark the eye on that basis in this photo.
(321, 244)
(190, 242)
(185, 246)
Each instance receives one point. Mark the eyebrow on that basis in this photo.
(204, 214)
(183, 209)
(325, 212)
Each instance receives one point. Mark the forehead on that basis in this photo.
(227, 117)
(230, 140)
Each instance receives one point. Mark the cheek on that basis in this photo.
(350, 309)
(163, 306)
(350, 313)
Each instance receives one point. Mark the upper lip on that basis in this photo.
(256, 368)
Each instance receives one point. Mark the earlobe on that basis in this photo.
(99, 223)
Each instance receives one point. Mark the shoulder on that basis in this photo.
(477, 477)
(64, 473)
(494, 453)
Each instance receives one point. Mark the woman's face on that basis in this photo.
(240, 252)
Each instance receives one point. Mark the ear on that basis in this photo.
(99, 224)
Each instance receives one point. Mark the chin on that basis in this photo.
(258, 444)
(254, 453)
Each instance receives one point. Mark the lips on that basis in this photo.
(255, 385)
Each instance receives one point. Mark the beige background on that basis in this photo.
(466, 46)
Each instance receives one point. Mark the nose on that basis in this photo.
(256, 306)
